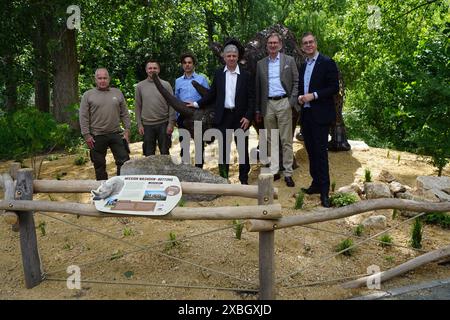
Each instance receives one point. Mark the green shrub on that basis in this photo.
(30, 132)
(386, 240)
(359, 230)
(173, 242)
(80, 160)
(299, 200)
(416, 234)
(367, 175)
(347, 243)
(394, 214)
(341, 199)
(440, 218)
(127, 231)
(238, 226)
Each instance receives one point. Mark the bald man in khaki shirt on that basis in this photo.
(102, 109)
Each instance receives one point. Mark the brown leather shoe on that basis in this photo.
(289, 182)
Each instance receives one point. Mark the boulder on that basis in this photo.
(439, 186)
(164, 165)
(386, 176)
(378, 222)
(376, 190)
(396, 187)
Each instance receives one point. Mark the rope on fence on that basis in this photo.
(326, 258)
(146, 284)
(146, 248)
(362, 238)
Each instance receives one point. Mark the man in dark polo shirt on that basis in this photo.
(102, 109)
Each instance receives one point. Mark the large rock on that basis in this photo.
(386, 176)
(378, 222)
(164, 165)
(439, 186)
(376, 190)
(396, 187)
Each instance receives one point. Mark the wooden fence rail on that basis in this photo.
(265, 218)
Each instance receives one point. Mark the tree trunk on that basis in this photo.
(41, 65)
(11, 84)
(65, 78)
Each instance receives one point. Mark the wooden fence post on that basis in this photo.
(28, 242)
(266, 243)
(13, 218)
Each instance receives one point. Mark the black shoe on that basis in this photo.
(244, 182)
(289, 182)
(276, 177)
(325, 201)
(310, 190)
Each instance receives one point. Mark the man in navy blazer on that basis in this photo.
(232, 90)
(318, 83)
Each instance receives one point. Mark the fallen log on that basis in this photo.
(322, 214)
(403, 268)
(270, 211)
(82, 186)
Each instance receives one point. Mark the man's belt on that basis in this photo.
(278, 97)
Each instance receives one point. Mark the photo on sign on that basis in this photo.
(155, 195)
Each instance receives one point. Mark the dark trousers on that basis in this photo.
(98, 153)
(155, 134)
(316, 143)
(231, 121)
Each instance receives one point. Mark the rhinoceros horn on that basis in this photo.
(200, 89)
(171, 100)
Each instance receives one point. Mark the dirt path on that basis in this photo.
(228, 263)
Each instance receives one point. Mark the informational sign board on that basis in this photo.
(138, 195)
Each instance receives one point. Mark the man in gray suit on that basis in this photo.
(276, 95)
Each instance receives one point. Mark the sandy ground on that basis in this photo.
(130, 258)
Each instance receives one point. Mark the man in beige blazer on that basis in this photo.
(276, 95)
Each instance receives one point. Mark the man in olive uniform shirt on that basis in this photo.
(154, 117)
(101, 111)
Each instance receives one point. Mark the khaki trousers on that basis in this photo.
(279, 116)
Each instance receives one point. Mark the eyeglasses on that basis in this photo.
(305, 43)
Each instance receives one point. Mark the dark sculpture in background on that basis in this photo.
(205, 115)
(255, 50)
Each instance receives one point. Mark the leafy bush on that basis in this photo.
(340, 199)
(80, 160)
(347, 243)
(440, 218)
(30, 132)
